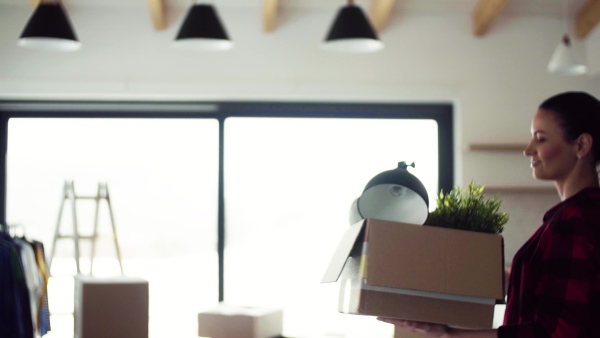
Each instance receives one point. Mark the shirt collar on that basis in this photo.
(590, 192)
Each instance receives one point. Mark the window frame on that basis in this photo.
(442, 113)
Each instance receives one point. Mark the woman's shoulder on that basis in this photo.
(583, 203)
(580, 211)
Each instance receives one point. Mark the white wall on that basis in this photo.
(495, 82)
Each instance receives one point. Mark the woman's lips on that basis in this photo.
(534, 163)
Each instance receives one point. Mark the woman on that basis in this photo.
(554, 287)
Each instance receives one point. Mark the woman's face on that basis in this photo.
(552, 157)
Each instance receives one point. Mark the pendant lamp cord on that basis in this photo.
(566, 16)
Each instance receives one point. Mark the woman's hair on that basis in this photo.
(577, 113)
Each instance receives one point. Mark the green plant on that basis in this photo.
(468, 209)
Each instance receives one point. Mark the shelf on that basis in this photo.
(503, 147)
(520, 190)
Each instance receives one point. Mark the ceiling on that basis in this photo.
(483, 11)
(521, 7)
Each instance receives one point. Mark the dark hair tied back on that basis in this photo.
(577, 113)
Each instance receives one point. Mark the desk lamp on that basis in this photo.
(394, 195)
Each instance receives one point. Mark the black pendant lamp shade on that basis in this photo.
(352, 32)
(49, 28)
(203, 30)
(394, 195)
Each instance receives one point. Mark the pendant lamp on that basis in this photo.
(394, 195)
(352, 32)
(566, 59)
(202, 30)
(49, 28)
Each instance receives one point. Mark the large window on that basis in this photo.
(243, 204)
(289, 186)
(162, 180)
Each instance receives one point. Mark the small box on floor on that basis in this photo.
(227, 321)
(114, 307)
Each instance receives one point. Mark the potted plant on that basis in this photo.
(468, 209)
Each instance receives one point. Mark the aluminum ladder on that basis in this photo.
(69, 195)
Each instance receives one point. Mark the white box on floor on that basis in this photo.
(114, 307)
(228, 321)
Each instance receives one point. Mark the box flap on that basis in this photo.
(336, 265)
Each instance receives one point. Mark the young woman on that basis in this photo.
(554, 285)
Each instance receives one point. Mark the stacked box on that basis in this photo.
(111, 307)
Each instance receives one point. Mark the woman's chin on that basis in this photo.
(541, 176)
(537, 174)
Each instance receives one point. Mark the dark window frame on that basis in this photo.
(441, 113)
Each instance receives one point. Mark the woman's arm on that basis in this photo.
(438, 330)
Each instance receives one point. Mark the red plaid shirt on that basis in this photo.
(554, 286)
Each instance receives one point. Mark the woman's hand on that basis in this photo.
(433, 330)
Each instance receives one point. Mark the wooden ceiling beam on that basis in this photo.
(269, 14)
(484, 14)
(587, 18)
(380, 13)
(158, 14)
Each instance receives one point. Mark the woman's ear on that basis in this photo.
(584, 144)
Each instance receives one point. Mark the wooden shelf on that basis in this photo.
(508, 148)
(519, 190)
(505, 147)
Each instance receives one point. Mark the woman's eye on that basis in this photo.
(541, 140)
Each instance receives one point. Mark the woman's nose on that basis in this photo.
(528, 151)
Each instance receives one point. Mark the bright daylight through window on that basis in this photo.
(288, 187)
(162, 177)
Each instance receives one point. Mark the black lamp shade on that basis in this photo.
(394, 195)
(352, 32)
(49, 27)
(202, 29)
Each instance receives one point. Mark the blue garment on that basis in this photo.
(15, 307)
(11, 324)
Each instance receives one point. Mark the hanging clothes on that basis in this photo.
(43, 318)
(23, 288)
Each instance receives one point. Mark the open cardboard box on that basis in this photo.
(421, 273)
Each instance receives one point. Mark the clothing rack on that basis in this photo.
(12, 230)
(24, 272)
(6, 229)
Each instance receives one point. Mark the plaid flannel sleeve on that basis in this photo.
(566, 276)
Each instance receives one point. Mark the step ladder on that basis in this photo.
(69, 195)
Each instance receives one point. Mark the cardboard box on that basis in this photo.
(229, 321)
(421, 273)
(111, 307)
